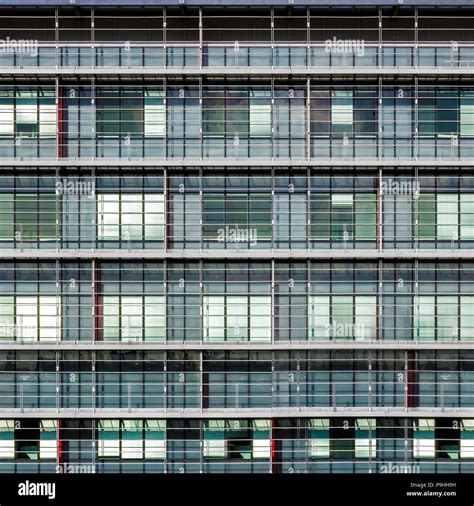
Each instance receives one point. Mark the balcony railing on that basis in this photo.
(217, 149)
(238, 55)
(262, 392)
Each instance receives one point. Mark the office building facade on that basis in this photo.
(237, 237)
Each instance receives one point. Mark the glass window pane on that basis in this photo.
(7, 317)
(111, 312)
(424, 313)
(342, 114)
(47, 117)
(108, 112)
(26, 113)
(447, 313)
(214, 317)
(365, 438)
(132, 317)
(260, 114)
(319, 318)
(6, 217)
(7, 439)
(467, 317)
(467, 439)
(319, 446)
(260, 318)
(447, 215)
(155, 443)
(427, 216)
(424, 439)
(342, 325)
(365, 317)
(155, 317)
(155, 113)
(49, 318)
(154, 217)
(467, 113)
(467, 216)
(108, 445)
(108, 216)
(48, 447)
(7, 116)
(27, 317)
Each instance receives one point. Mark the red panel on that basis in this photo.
(273, 442)
(274, 450)
(60, 442)
(412, 380)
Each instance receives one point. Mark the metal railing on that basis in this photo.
(239, 55)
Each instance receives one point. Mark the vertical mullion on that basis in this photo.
(143, 303)
(308, 38)
(166, 211)
(380, 120)
(415, 212)
(165, 381)
(57, 212)
(201, 206)
(56, 36)
(380, 331)
(200, 39)
(308, 225)
(165, 297)
(201, 379)
(272, 35)
(201, 136)
(380, 36)
(58, 302)
(58, 118)
(201, 300)
(273, 209)
(94, 116)
(93, 53)
(459, 214)
(165, 55)
(308, 118)
(416, 147)
(417, 299)
(273, 312)
(93, 381)
(380, 211)
(354, 301)
(308, 299)
(272, 116)
(416, 49)
(37, 112)
(165, 148)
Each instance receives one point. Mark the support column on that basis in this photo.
(201, 56)
(379, 211)
(308, 118)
